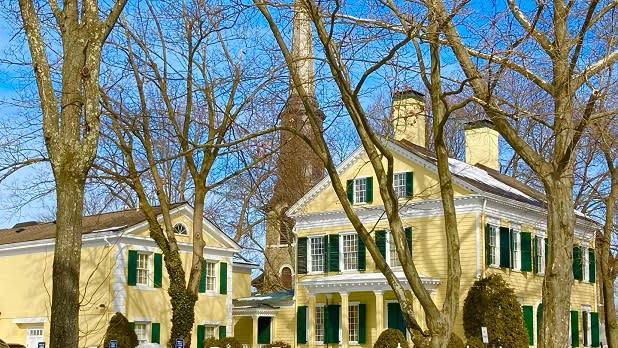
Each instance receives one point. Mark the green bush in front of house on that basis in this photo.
(455, 342)
(120, 330)
(225, 342)
(389, 339)
(491, 302)
(279, 344)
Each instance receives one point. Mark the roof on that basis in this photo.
(104, 222)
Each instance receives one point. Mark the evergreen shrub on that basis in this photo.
(279, 344)
(225, 342)
(492, 303)
(120, 330)
(455, 342)
(389, 339)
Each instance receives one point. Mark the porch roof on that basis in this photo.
(370, 281)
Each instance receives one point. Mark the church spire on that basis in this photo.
(302, 47)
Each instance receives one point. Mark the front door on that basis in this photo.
(34, 335)
(395, 318)
(264, 330)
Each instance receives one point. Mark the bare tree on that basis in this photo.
(70, 110)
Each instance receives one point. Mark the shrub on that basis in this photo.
(492, 303)
(229, 342)
(455, 342)
(279, 344)
(211, 342)
(475, 342)
(389, 339)
(120, 330)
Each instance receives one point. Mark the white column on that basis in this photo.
(345, 330)
(254, 332)
(311, 322)
(379, 312)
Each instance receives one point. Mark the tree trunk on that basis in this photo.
(181, 299)
(609, 309)
(67, 254)
(559, 274)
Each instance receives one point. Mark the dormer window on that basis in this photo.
(181, 229)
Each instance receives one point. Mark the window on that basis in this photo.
(586, 264)
(493, 248)
(316, 254)
(143, 263)
(586, 327)
(393, 259)
(286, 277)
(353, 322)
(350, 252)
(516, 250)
(360, 190)
(399, 184)
(141, 331)
(285, 230)
(181, 229)
(211, 276)
(540, 252)
(210, 331)
(319, 323)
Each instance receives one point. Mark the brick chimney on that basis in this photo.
(482, 144)
(409, 118)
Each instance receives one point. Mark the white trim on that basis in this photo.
(310, 259)
(211, 323)
(341, 258)
(119, 279)
(142, 319)
(353, 282)
(30, 320)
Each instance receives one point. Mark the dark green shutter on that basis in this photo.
(409, 192)
(223, 278)
(222, 332)
(158, 274)
(132, 270)
(408, 231)
(203, 277)
(264, 330)
(369, 186)
(537, 259)
(132, 325)
(201, 332)
(539, 321)
(594, 329)
(333, 253)
(577, 263)
(381, 242)
(505, 247)
(526, 251)
(529, 323)
(574, 329)
(362, 323)
(301, 325)
(592, 267)
(362, 263)
(395, 318)
(325, 255)
(350, 190)
(155, 336)
(332, 329)
(301, 256)
(487, 245)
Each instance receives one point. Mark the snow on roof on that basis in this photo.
(474, 173)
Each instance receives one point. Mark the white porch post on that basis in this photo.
(345, 330)
(379, 312)
(254, 331)
(311, 322)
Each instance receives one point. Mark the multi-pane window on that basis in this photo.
(350, 251)
(540, 250)
(516, 250)
(586, 327)
(360, 190)
(181, 229)
(494, 245)
(209, 331)
(399, 184)
(393, 258)
(211, 276)
(143, 261)
(141, 331)
(353, 322)
(316, 254)
(319, 324)
(586, 264)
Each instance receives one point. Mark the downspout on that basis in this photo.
(478, 238)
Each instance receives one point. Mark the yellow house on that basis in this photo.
(121, 271)
(341, 297)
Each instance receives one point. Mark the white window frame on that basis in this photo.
(540, 249)
(211, 279)
(342, 259)
(494, 231)
(585, 263)
(516, 251)
(400, 190)
(145, 332)
(181, 227)
(586, 331)
(147, 269)
(350, 306)
(319, 318)
(310, 268)
(356, 190)
(391, 252)
(214, 331)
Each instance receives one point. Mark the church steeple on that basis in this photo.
(302, 47)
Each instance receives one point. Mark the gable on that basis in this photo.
(425, 183)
